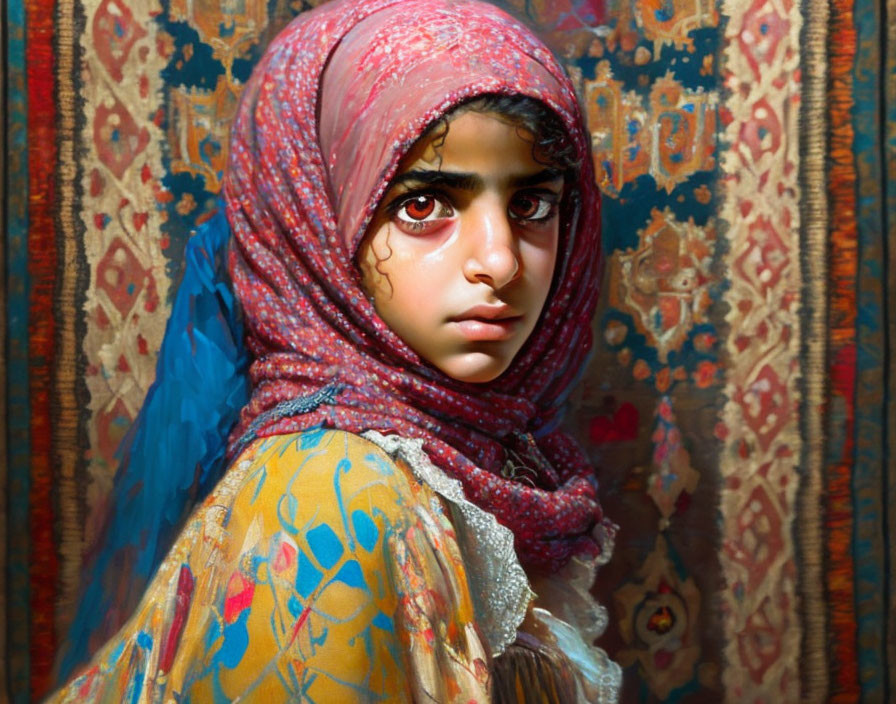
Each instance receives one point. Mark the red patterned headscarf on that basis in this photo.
(337, 100)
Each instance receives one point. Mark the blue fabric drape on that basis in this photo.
(175, 451)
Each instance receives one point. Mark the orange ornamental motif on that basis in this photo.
(671, 138)
(659, 623)
(683, 135)
(619, 138)
(200, 119)
(664, 283)
(199, 126)
(230, 28)
(670, 22)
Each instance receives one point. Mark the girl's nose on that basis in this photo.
(494, 258)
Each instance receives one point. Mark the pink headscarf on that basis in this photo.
(337, 100)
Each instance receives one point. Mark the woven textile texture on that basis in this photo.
(739, 408)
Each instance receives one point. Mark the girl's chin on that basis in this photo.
(475, 367)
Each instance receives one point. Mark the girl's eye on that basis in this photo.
(420, 211)
(419, 208)
(533, 207)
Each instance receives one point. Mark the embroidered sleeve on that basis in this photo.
(318, 570)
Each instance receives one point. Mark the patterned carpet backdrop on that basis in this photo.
(739, 407)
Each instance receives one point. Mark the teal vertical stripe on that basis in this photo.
(18, 406)
(869, 537)
(888, 489)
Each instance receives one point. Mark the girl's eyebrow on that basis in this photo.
(470, 181)
(543, 176)
(449, 179)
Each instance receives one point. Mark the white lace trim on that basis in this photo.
(498, 585)
(500, 588)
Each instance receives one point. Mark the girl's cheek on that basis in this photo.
(431, 244)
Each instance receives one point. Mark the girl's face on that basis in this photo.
(461, 251)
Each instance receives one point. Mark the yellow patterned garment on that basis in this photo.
(319, 570)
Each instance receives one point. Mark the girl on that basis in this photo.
(415, 251)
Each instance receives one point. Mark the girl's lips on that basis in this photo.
(487, 312)
(487, 330)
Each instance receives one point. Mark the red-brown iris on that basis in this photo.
(420, 208)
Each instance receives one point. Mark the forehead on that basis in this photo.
(475, 142)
